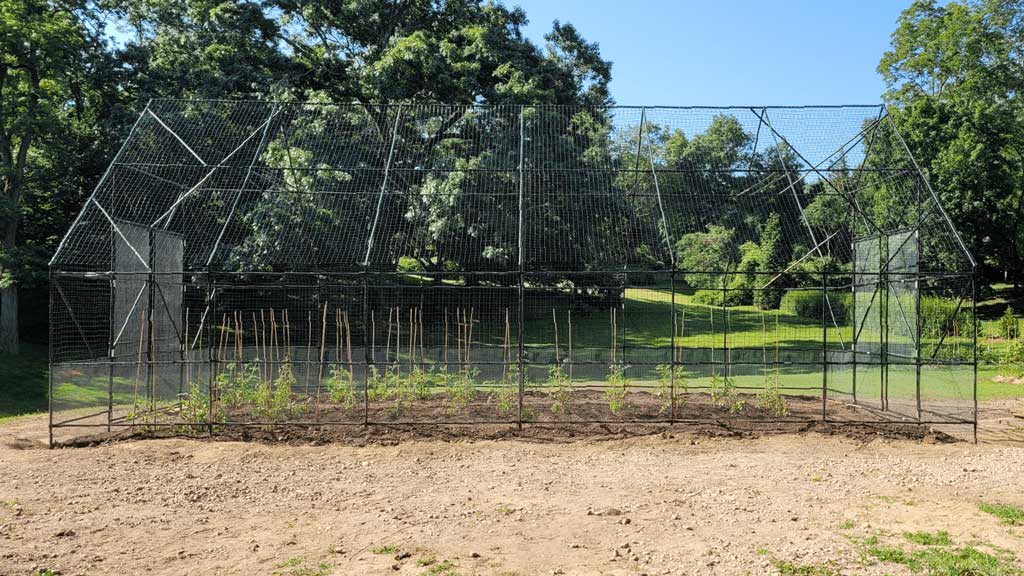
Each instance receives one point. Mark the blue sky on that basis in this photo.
(732, 52)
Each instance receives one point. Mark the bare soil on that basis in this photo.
(598, 499)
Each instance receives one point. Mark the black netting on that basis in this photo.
(309, 262)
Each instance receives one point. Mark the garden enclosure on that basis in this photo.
(256, 263)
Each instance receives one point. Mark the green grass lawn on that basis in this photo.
(23, 381)
(645, 320)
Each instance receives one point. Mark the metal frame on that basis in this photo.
(523, 279)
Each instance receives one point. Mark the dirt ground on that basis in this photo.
(674, 501)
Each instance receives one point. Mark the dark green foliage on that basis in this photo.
(810, 304)
(772, 259)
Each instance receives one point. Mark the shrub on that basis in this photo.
(1008, 325)
(809, 304)
(714, 297)
(937, 318)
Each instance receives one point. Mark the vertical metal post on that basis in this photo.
(110, 351)
(522, 268)
(883, 316)
(917, 314)
(151, 345)
(673, 363)
(726, 369)
(854, 319)
(49, 366)
(211, 358)
(824, 345)
(974, 360)
(371, 361)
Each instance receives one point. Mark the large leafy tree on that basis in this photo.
(954, 76)
(55, 79)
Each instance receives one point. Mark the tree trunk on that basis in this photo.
(9, 342)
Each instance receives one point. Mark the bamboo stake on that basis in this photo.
(337, 336)
(320, 371)
(274, 356)
(288, 333)
(256, 338)
(469, 339)
(446, 346)
(398, 339)
(675, 344)
(348, 343)
(682, 333)
(263, 338)
(504, 350)
(554, 322)
(458, 337)
(241, 336)
(387, 345)
(422, 339)
(221, 337)
(412, 338)
(309, 346)
(185, 350)
(238, 346)
(570, 345)
(138, 364)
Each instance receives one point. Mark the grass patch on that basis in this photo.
(23, 381)
(943, 561)
(298, 567)
(793, 569)
(940, 538)
(1007, 514)
(388, 549)
(443, 568)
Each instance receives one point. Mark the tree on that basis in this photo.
(46, 52)
(953, 75)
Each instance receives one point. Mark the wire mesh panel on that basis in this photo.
(262, 263)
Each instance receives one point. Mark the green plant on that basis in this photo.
(792, 569)
(385, 549)
(273, 400)
(940, 538)
(237, 385)
(1007, 514)
(195, 406)
(461, 390)
(615, 392)
(559, 390)
(379, 384)
(341, 387)
(443, 568)
(1014, 353)
(507, 394)
(664, 392)
(418, 384)
(1009, 327)
(770, 399)
(296, 567)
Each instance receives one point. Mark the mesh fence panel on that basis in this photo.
(260, 262)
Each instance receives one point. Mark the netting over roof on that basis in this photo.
(314, 187)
